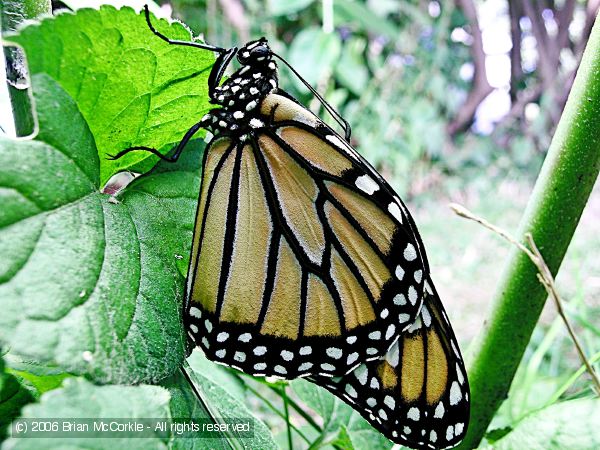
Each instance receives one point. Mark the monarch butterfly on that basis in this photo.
(304, 261)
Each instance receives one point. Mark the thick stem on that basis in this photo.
(560, 194)
(12, 14)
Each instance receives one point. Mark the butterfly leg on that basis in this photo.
(178, 150)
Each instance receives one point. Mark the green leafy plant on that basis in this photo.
(92, 283)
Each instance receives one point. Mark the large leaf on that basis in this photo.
(81, 399)
(284, 7)
(13, 396)
(572, 424)
(224, 405)
(341, 424)
(313, 53)
(185, 405)
(131, 87)
(87, 285)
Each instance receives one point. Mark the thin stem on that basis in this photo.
(286, 412)
(544, 275)
(464, 212)
(276, 410)
(300, 411)
(546, 278)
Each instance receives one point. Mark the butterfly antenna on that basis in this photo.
(176, 42)
(330, 109)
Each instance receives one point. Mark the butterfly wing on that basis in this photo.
(304, 262)
(417, 394)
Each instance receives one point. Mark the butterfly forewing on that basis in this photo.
(417, 394)
(306, 262)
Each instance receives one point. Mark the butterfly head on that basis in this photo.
(255, 53)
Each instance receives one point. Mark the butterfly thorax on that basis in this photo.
(241, 94)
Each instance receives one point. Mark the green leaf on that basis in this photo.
(224, 405)
(13, 396)
(90, 286)
(351, 70)
(219, 375)
(572, 424)
(352, 431)
(353, 12)
(285, 7)
(131, 87)
(185, 405)
(313, 53)
(81, 399)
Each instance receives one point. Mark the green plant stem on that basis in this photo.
(286, 412)
(277, 411)
(560, 194)
(13, 13)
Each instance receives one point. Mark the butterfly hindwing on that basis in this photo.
(305, 262)
(417, 394)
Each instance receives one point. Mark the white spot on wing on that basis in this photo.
(390, 331)
(287, 355)
(410, 254)
(439, 411)
(352, 357)
(351, 391)
(306, 350)
(399, 272)
(389, 402)
(426, 316)
(375, 335)
(333, 352)
(394, 210)
(412, 295)
(413, 414)
(433, 436)
(361, 374)
(455, 393)
(418, 275)
(305, 366)
(393, 355)
(459, 374)
(402, 318)
(399, 300)
(195, 312)
(222, 336)
(260, 350)
(367, 184)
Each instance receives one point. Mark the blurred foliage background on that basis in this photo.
(452, 101)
